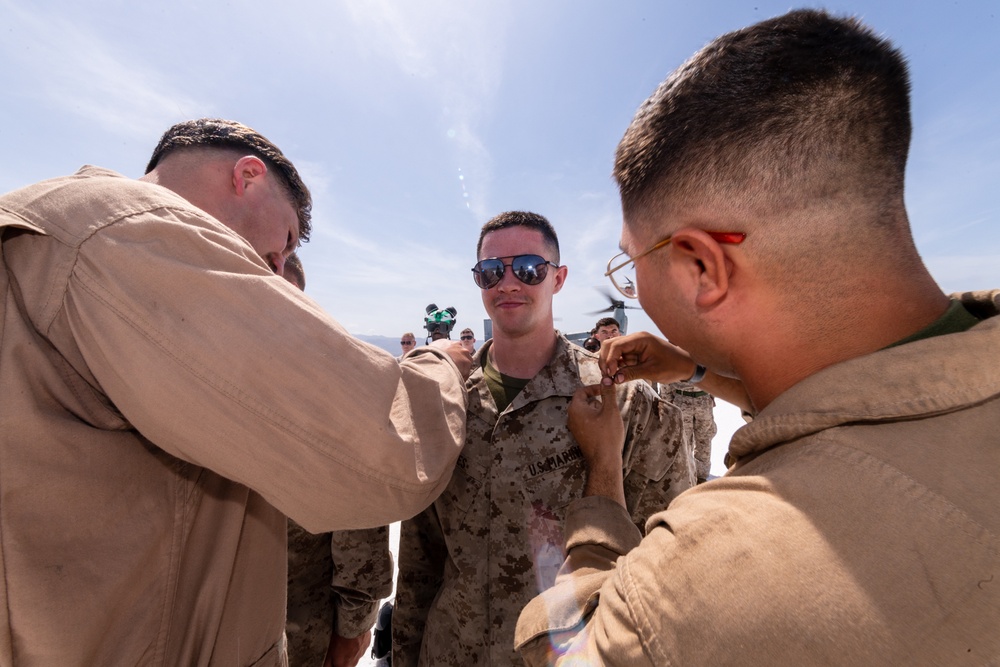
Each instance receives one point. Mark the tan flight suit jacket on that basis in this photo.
(858, 526)
(164, 401)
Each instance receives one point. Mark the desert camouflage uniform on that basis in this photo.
(342, 574)
(494, 538)
(697, 408)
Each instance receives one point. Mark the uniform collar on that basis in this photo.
(561, 376)
(919, 379)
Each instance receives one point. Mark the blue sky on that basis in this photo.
(415, 122)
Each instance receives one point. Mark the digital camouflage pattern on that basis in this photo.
(494, 538)
(341, 575)
(698, 410)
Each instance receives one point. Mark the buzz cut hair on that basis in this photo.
(227, 134)
(774, 114)
(522, 219)
(294, 266)
(607, 322)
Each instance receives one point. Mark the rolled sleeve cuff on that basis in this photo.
(600, 521)
(417, 354)
(356, 620)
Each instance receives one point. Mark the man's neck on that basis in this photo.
(781, 361)
(522, 356)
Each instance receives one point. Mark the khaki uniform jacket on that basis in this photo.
(494, 539)
(859, 526)
(164, 400)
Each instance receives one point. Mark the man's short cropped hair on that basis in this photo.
(607, 322)
(522, 219)
(782, 111)
(408, 334)
(220, 133)
(467, 331)
(293, 266)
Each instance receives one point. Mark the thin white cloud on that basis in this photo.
(457, 50)
(76, 71)
(384, 28)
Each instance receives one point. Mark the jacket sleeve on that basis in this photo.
(362, 577)
(659, 461)
(422, 557)
(219, 362)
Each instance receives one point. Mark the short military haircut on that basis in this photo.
(607, 322)
(409, 334)
(467, 331)
(791, 107)
(228, 134)
(522, 219)
(293, 266)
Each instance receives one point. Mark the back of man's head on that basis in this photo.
(522, 219)
(219, 134)
(796, 129)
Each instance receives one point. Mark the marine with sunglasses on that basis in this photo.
(494, 539)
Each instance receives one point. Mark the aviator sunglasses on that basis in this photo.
(529, 269)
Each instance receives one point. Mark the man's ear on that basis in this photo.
(248, 171)
(707, 262)
(561, 274)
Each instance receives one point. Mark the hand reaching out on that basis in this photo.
(597, 425)
(644, 356)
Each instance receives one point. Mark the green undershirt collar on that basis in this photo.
(955, 320)
(504, 388)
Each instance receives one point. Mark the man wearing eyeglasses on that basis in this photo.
(766, 232)
(495, 536)
(468, 340)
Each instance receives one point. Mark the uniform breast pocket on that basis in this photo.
(551, 483)
(655, 476)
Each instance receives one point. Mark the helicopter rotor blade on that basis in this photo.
(615, 303)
